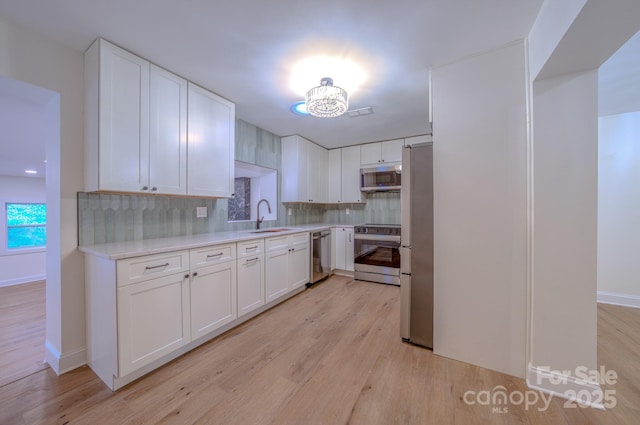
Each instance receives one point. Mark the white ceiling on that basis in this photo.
(245, 50)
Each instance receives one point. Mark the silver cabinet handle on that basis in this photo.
(252, 260)
(252, 248)
(156, 267)
(349, 237)
(215, 255)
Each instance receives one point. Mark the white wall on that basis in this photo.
(565, 200)
(27, 56)
(24, 265)
(480, 140)
(569, 41)
(553, 21)
(619, 209)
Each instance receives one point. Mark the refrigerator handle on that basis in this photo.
(405, 197)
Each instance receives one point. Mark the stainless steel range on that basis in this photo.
(377, 253)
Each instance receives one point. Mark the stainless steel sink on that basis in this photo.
(279, 229)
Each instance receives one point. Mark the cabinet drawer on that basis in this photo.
(138, 269)
(299, 239)
(276, 243)
(209, 255)
(250, 248)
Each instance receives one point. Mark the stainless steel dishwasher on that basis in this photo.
(320, 256)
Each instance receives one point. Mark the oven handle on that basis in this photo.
(370, 237)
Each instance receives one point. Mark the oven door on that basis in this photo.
(377, 258)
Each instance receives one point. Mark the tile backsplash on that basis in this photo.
(104, 218)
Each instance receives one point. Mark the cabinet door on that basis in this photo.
(340, 248)
(123, 135)
(153, 320)
(294, 169)
(350, 181)
(210, 144)
(213, 298)
(167, 133)
(275, 274)
(370, 154)
(317, 163)
(334, 179)
(349, 247)
(391, 150)
(299, 265)
(250, 284)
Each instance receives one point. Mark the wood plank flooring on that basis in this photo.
(330, 355)
(22, 330)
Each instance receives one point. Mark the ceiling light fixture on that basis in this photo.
(327, 100)
(299, 108)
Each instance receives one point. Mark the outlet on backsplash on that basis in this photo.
(201, 212)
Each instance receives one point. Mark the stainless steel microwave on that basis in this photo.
(376, 179)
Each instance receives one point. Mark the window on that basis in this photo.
(252, 184)
(26, 225)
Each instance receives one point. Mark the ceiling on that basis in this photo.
(245, 50)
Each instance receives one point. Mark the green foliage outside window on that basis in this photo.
(26, 225)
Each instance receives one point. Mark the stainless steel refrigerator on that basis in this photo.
(416, 240)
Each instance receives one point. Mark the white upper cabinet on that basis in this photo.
(136, 118)
(317, 163)
(294, 169)
(304, 166)
(381, 152)
(335, 175)
(211, 144)
(167, 133)
(350, 170)
(117, 119)
(344, 175)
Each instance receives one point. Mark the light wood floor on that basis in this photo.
(22, 330)
(331, 355)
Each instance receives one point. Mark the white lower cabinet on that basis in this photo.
(144, 311)
(250, 276)
(213, 298)
(343, 248)
(286, 264)
(153, 320)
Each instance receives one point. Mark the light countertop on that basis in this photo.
(121, 250)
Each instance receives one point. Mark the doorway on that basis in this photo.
(30, 119)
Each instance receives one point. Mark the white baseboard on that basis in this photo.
(20, 280)
(66, 362)
(341, 272)
(619, 299)
(565, 386)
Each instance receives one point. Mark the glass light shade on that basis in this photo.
(326, 100)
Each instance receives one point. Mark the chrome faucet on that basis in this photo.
(259, 220)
